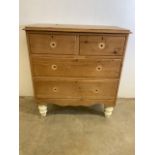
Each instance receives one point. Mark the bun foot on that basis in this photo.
(42, 110)
(108, 111)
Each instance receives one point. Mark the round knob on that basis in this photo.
(99, 68)
(55, 89)
(96, 91)
(101, 45)
(53, 44)
(54, 67)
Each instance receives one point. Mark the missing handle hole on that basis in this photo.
(55, 89)
(96, 91)
(99, 68)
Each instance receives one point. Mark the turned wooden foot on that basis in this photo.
(42, 109)
(108, 111)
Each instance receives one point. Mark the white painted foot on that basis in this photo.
(108, 111)
(42, 110)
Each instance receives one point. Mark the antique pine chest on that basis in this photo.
(76, 64)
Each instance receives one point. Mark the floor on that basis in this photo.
(76, 130)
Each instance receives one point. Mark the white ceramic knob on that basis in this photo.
(53, 44)
(101, 45)
(54, 67)
(99, 68)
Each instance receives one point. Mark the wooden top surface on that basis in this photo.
(76, 28)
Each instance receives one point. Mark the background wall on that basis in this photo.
(92, 12)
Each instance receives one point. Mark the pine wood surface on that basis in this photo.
(76, 65)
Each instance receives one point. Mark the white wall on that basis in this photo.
(93, 12)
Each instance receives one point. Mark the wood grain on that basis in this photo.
(105, 68)
(76, 28)
(74, 88)
(90, 45)
(76, 102)
(76, 64)
(53, 44)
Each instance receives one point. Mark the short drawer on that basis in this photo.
(52, 43)
(105, 68)
(74, 88)
(101, 45)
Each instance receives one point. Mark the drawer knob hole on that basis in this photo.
(96, 91)
(101, 45)
(53, 44)
(54, 67)
(99, 68)
(115, 51)
(55, 89)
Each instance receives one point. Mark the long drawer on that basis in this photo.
(65, 67)
(76, 88)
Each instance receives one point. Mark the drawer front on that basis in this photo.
(105, 68)
(91, 89)
(101, 45)
(54, 44)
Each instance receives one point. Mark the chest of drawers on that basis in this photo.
(76, 65)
